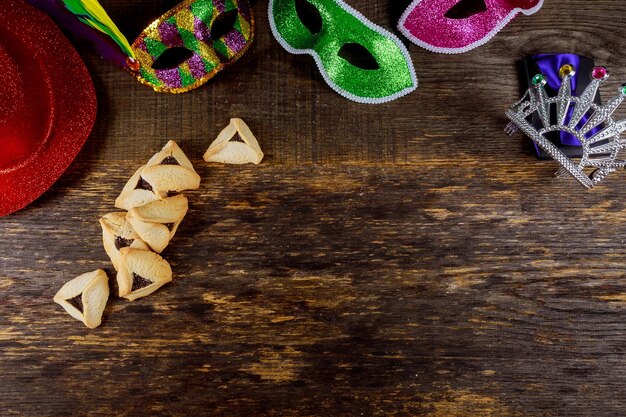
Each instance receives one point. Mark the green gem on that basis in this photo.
(623, 89)
(538, 79)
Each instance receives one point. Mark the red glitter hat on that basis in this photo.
(47, 104)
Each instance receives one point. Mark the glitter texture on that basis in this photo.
(170, 77)
(343, 25)
(188, 25)
(51, 87)
(425, 23)
(196, 66)
(201, 30)
(169, 34)
(234, 41)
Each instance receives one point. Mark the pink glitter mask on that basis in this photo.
(456, 26)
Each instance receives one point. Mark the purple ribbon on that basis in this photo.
(549, 65)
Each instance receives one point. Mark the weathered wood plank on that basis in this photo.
(374, 290)
(395, 260)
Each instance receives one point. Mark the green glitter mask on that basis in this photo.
(361, 61)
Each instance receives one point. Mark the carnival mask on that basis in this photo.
(455, 26)
(209, 35)
(359, 60)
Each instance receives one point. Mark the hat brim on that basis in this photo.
(53, 108)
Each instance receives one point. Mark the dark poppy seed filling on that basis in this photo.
(120, 242)
(237, 138)
(172, 193)
(170, 160)
(139, 282)
(77, 302)
(169, 226)
(143, 185)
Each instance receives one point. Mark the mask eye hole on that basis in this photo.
(309, 16)
(223, 24)
(466, 8)
(358, 55)
(172, 58)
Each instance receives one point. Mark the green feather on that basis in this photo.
(91, 13)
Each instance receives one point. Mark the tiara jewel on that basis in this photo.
(592, 124)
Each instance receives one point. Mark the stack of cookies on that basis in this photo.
(154, 208)
(134, 238)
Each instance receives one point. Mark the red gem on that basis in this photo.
(133, 64)
(599, 73)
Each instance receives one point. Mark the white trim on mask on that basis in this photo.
(469, 47)
(320, 66)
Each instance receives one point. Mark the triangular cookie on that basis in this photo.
(171, 154)
(156, 222)
(171, 178)
(170, 170)
(167, 210)
(235, 145)
(137, 192)
(118, 233)
(156, 235)
(85, 297)
(141, 273)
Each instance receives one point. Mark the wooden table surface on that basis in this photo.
(405, 259)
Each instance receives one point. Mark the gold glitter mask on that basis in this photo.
(210, 34)
(178, 52)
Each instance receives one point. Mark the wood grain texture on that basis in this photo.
(406, 259)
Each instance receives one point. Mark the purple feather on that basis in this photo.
(68, 21)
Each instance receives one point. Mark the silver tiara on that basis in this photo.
(599, 135)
